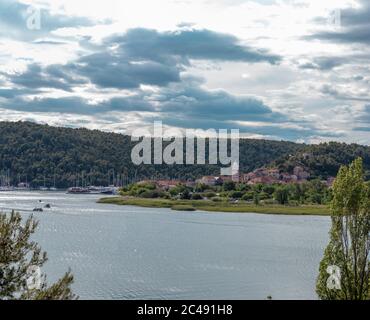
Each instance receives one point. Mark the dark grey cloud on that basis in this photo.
(149, 44)
(37, 77)
(330, 62)
(184, 105)
(109, 70)
(365, 129)
(331, 90)
(354, 28)
(190, 106)
(141, 57)
(325, 63)
(365, 115)
(192, 102)
(78, 105)
(363, 120)
(356, 16)
(273, 131)
(351, 35)
(144, 56)
(10, 93)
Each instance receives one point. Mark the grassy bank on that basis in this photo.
(207, 205)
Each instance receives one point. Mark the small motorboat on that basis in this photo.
(47, 206)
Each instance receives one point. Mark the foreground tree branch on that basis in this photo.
(20, 264)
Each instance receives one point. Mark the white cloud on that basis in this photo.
(320, 83)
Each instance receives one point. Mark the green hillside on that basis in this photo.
(34, 153)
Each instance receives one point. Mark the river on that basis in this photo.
(126, 252)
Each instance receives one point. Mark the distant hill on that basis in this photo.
(35, 153)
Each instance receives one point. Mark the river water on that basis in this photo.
(126, 252)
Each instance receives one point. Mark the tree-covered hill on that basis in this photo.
(324, 160)
(37, 153)
(41, 154)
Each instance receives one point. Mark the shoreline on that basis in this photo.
(211, 206)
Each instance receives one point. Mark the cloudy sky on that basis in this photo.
(279, 69)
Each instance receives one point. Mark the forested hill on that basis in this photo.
(35, 153)
(40, 153)
(323, 160)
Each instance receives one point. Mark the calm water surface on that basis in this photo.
(125, 252)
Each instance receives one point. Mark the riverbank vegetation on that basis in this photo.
(219, 206)
(310, 197)
(312, 192)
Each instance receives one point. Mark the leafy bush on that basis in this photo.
(248, 196)
(150, 194)
(216, 199)
(229, 186)
(209, 194)
(196, 196)
(236, 194)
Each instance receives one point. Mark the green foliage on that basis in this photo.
(324, 160)
(311, 192)
(243, 187)
(281, 194)
(228, 186)
(248, 196)
(236, 194)
(196, 196)
(177, 190)
(200, 187)
(256, 199)
(216, 199)
(144, 190)
(268, 189)
(209, 194)
(18, 255)
(150, 194)
(185, 195)
(349, 243)
(33, 152)
(220, 206)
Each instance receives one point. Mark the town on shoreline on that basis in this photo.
(264, 190)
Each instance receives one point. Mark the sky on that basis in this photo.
(293, 70)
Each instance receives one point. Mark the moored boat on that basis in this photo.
(78, 190)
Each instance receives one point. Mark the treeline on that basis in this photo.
(41, 154)
(310, 192)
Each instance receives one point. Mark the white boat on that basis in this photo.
(78, 190)
(110, 190)
(95, 190)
